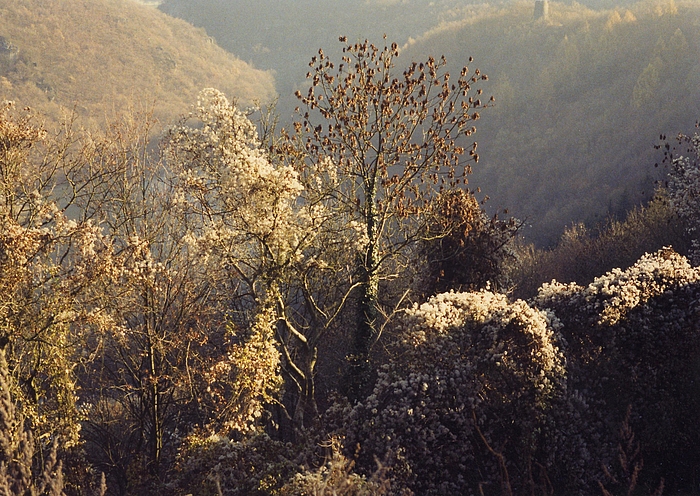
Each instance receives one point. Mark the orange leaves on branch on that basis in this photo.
(395, 140)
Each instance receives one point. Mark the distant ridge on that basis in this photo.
(581, 99)
(103, 56)
(582, 95)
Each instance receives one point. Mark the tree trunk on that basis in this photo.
(360, 380)
(156, 414)
(306, 403)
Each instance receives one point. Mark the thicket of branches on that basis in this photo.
(328, 310)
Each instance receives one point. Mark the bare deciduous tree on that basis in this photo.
(393, 139)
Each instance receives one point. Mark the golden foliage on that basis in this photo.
(105, 55)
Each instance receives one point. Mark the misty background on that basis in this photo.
(581, 97)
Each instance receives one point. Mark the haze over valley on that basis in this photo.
(581, 97)
(245, 252)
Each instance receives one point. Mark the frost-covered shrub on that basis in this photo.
(583, 254)
(633, 339)
(215, 465)
(464, 358)
(241, 205)
(259, 465)
(684, 186)
(336, 477)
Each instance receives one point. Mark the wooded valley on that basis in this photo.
(245, 299)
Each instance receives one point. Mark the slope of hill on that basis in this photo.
(581, 99)
(105, 55)
(283, 35)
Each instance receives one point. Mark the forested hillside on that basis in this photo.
(580, 98)
(282, 36)
(199, 298)
(104, 56)
(580, 101)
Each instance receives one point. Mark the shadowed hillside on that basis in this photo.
(581, 98)
(104, 55)
(283, 35)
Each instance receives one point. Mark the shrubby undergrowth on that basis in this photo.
(472, 388)
(163, 319)
(633, 342)
(504, 397)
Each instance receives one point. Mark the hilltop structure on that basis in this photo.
(541, 9)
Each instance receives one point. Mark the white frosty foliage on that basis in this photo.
(684, 189)
(684, 181)
(247, 212)
(247, 204)
(493, 313)
(633, 341)
(464, 356)
(610, 297)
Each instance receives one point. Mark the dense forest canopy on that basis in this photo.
(246, 299)
(570, 137)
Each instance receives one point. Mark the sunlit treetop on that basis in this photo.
(403, 132)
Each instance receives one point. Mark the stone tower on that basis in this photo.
(541, 9)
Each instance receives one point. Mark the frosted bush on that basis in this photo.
(684, 188)
(247, 212)
(44, 272)
(463, 357)
(610, 297)
(336, 477)
(247, 379)
(213, 465)
(633, 339)
(547, 384)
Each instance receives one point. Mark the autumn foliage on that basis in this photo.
(188, 313)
